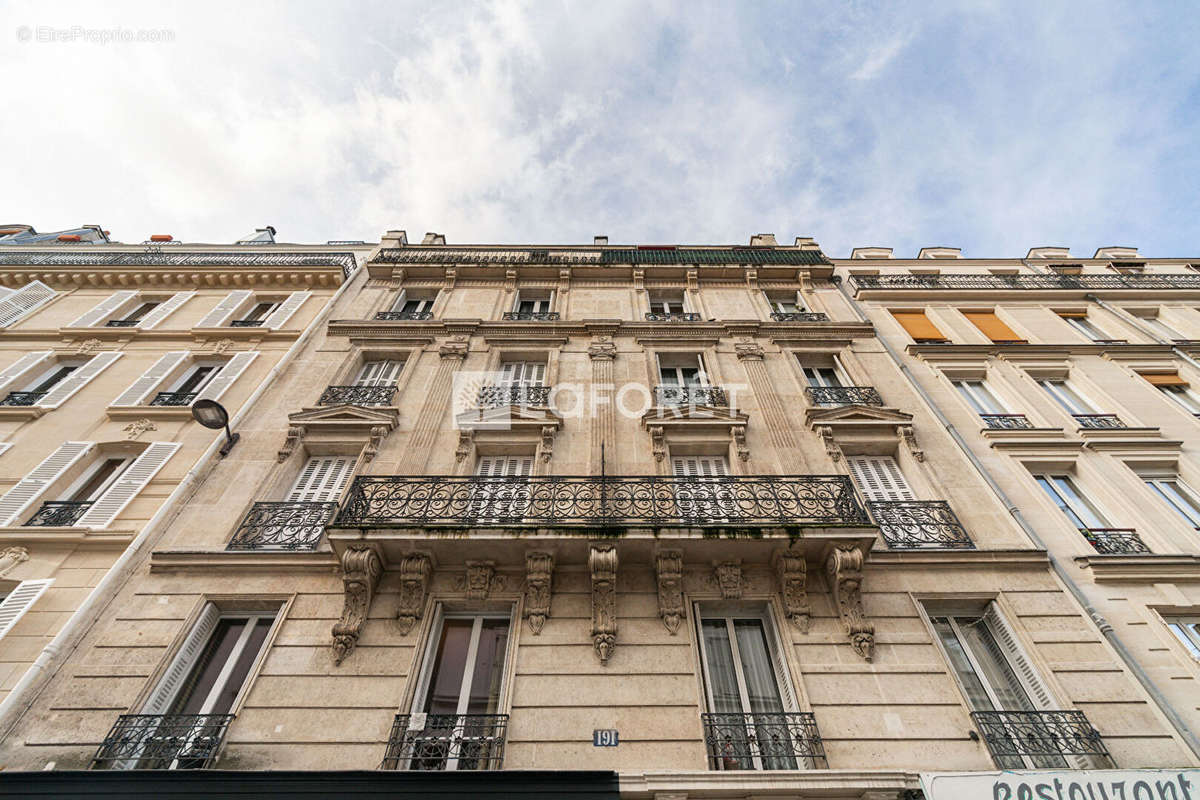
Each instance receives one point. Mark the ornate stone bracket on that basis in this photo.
(454, 347)
(414, 586)
(539, 572)
(910, 439)
(294, 434)
(602, 348)
(466, 440)
(481, 580)
(844, 567)
(602, 563)
(546, 449)
(793, 589)
(361, 569)
(738, 434)
(668, 567)
(372, 448)
(10, 557)
(658, 442)
(727, 575)
(747, 349)
(830, 441)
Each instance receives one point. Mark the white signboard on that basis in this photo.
(1062, 784)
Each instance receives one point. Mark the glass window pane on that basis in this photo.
(229, 692)
(761, 686)
(1179, 498)
(445, 683)
(722, 677)
(1182, 631)
(977, 696)
(486, 680)
(997, 672)
(200, 681)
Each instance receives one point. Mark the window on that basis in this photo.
(241, 308)
(1178, 495)
(979, 397)
(1186, 630)
(139, 312)
(498, 500)
(667, 303)
(918, 326)
(53, 376)
(414, 303)
(195, 378)
(822, 376)
(785, 303)
(1065, 395)
(20, 600)
(879, 478)
(1176, 388)
(379, 373)
(522, 373)
(175, 379)
(24, 301)
(322, 479)
(96, 480)
(533, 303)
(682, 369)
(1061, 489)
(1156, 324)
(1080, 322)
(50, 387)
(259, 312)
(992, 327)
(704, 495)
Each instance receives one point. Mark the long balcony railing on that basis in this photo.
(162, 741)
(395, 316)
(22, 398)
(1040, 739)
(920, 524)
(282, 526)
(672, 316)
(669, 395)
(652, 501)
(122, 323)
(358, 395)
(1006, 422)
(446, 742)
(778, 740)
(173, 399)
(59, 513)
(844, 396)
(530, 316)
(246, 323)
(1098, 281)
(1099, 421)
(1115, 541)
(513, 394)
(799, 316)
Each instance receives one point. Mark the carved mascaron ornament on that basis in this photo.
(727, 575)
(480, 580)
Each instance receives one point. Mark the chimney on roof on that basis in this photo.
(600, 241)
(395, 238)
(940, 252)
(1049, 252)
(871, 252)
(161, 237)
(434, 238)
(1116, 252)
(763, 240)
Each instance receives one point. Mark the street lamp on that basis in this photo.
(212, 414)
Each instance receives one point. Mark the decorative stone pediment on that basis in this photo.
(860, 429)
(364, 426)
(711, 424)
(513, 417)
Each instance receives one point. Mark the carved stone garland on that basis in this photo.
(668, 566)
(414, 586)
(602, 563)
(844, 567)
(361, 569)
(793, 589)
(481, 580)
(539, 571)
(10, 557)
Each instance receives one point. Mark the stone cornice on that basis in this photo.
(780, 332)
(823, 783)
(931, 352)
(219, 561)
(955, 559)
(1142, 567)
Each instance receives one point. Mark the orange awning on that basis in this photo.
(1166, 379)
(992, 326)
(918, 326)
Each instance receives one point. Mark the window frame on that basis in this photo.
(1189, 639)
(1068, 397)
(1066, 505)
(973, 396)
(1187, 495)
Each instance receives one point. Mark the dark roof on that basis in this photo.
(175, 259)
(612, 255)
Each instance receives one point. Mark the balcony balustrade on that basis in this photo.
(358, 395)
(960, 281)
(1040, 739)
(778, 740)
(399, 316)
(799, 316)
(513, 394)
(530, 316)
(59, 513)
(1099, 421)
(1115, 541)
(246, 323)
(653, 501)
(844, 395)
(920, 524)
(667, 395)
(173, 399)
(122, 323)
(282, 526)
(446, 742)
(162, 741)
(1006, 422)
(22, 398)
(672, 316)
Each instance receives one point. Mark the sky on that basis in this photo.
(990, 126)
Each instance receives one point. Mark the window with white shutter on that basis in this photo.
(106, 507)
(24, 301)
(225, 309)
(20, 600)
(286, 309)
(17, 499)
(139, 391)
(379, 373)
(164, 309)
(501, 500)
(704, 498)
(63, 390)
(22, 366)
(168, 685)
(228, 374)
(106, 308)
(523, 372)
(879, 478)
(322, 479)
(700, 466)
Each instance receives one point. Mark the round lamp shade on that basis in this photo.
(210, 414)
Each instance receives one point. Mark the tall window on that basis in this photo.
(383, 372)
(413, 305)
(1079, 321)
(259, 312)
(523, 373)
(1176, 388)
(533, 303)
(501, 500)
(979, 397)
(680, 369)
(322, 479)
(1178, 495)
(1062, 490)
(823, 376)
(53, 376)
(785, 303)
(96, 480)
(703, 495)
(195, 378)
(1187, 631)
(667, 303)
(139, 311)
(1067, 397)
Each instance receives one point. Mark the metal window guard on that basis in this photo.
(283, 526)
(22, 398)
(403, 315)
(446, 742)
(1099, 421)
(776, 740)
(59, 513)
(539, 316)
(1113, 541)
(1012, 736)
(668, 395)
(1006, 422)
(173, 398)
(162, 741)
(917, 524)
(380, 395)
(799, 316)
(246, 323)
(672, 316)
(844, 395)
(122, 323)
(513, 394)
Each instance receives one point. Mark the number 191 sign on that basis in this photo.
(606, 737)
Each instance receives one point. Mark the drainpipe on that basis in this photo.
(39, 673)
(1105, 628)
(1132, 320)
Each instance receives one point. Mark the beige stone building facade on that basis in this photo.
(690, 518)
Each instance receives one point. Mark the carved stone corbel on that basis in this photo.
(602, 563)
(294, 434)
(752, 279)
(454, 347)
(10, 557)
(793, 588)
(547, 444)
(564, 280)
(910, 439)
(466, 440)
(361, 569)
(414, 585)
(639, 280)
(451, 275)
(668, 567)
(693, 280)
(747, 349)
(602, 348)
(738, 433)
(831, 446)
(372, 448)
(481, 580)
(658, 442)
(510, 280)
(539, 572)
(727, 575)
(844, 567)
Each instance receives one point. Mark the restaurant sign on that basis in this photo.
(1101, 784)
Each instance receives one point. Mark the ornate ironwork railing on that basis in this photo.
(1099, 421)
(156, 258)
(162, 741)
(673, 316)
(22, 398)
(779, 740)
(446, 742)
(844, 395)
(246, 323)
(652, 501)
(1098, 281)
(358, 395)
(667, 395)
(1018, 739)
(513, 394)
(915, 524)
(539, 316)
(1113, 541)
(282, 526)
(59, 513)
(1006, 422)
(799, 316)
(122, 323)
(173, 398)
(403, 315)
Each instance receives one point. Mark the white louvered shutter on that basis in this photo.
(322, 479)
(699, 466)
(22, 365)
(504, 466)
(782, 678)
(23, 301)
(21, 496)
(77, 380)
(104, 309)
(879, 478)
(168, 685)
(137, 392)
(228, 374)
(379, 373)
(163, 310)
(126, 487)
(288, 307)
(224, 310)
(1015, 655)
(20, 600)
(4, 447)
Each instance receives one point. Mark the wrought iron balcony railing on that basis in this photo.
(777, 740)
(59, 513)
(667, 395)
(162, 741)
(358, 395)
(246, 323)
(404, 315)
(22, 398)
(1039, 739)
(844, 396)
(282, 526)
(122, 323)
(918, 524)
(513, 394)
(446, 742)
(799, 316)
(537, 316)
(652, 501)
(960, 281)
(173, 398)
(1006, 422)
(672, 316)
(1114, 541)
(1099, 421)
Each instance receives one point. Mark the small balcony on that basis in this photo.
(282, 526)
(778, 740)
(799, 316)
(1099, 421)
(403, 316)
(844, 396)
(122, 323)
(666, 395)
(1041, 739)
(246, 323)
(530, 316)
(672, 316)
(1115, 541)
(174, 399)
(162, 741)
(446, 742)
(59, 513)
(513, 394)
(22, 398)
(1006, 422)
(920, 525)
(358, 395)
